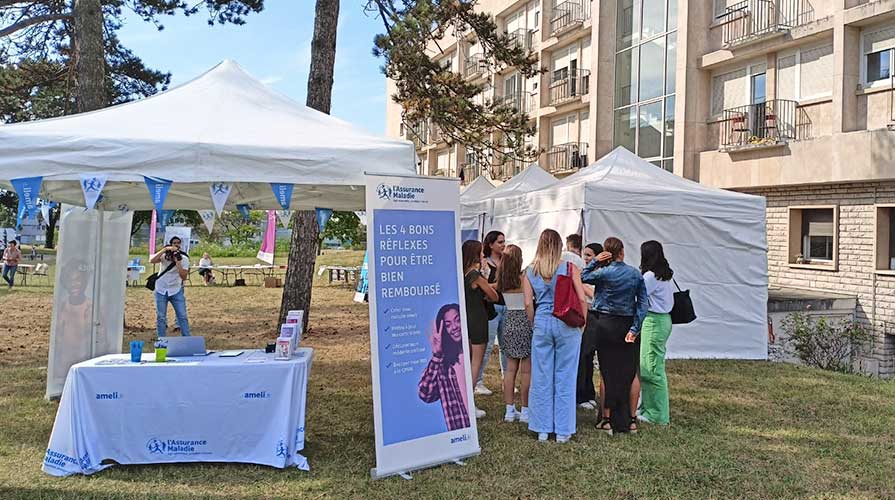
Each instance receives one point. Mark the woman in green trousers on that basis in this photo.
(654, 334)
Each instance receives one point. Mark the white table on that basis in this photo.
(248, 409)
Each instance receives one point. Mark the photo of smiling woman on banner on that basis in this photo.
(444, 378)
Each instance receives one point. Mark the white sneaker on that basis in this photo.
(479, 413)
(481, 390)
(542, 437)
(564, 438)
(510, 415)
(523, 415)
(587, 405)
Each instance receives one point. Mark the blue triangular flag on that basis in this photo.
(28, 189)
(158, 190)
(283, 193)
(323, 215)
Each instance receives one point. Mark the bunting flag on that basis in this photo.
(158, 190)
(245, 210)
(323, 215)
(153, 229)
(208, 218)
(165, 218)
(268, 244)
(219, 194)
(28, 189)
(285, 217)
(93, 185)
(283, 193)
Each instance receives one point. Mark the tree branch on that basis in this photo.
(9, 30)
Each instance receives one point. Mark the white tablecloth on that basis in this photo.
(248, 409)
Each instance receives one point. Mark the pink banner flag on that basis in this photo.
(153, 227)
(270, 238)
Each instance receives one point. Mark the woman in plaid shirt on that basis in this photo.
(444, 378)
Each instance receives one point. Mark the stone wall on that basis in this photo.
(855, 275)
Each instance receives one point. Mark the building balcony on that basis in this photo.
(523, 102)
(753, 20)
(765, 125)
(418, 134)
(522, 38)
(476, 66)
(569, 15)
(470, 172)
(573, 86)
(568, 157)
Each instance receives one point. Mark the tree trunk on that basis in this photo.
(51, 228)
(303, 251)
(89, 53)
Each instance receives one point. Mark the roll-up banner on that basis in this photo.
(423, 407)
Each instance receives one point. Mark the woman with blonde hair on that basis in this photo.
(555, 345)
(516, 333)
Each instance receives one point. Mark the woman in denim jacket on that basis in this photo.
(620, 303)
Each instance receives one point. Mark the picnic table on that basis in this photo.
(348, 274)
(239, 272)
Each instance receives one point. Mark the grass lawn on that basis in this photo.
(739, 429)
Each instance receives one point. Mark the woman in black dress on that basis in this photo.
(477, 292)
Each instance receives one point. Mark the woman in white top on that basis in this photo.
(516, 340)
(205, 265)
(657, 276)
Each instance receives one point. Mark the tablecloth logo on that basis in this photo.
(299, 439)
(282, 450)
(58, 460)
(109, 396)
(257, 395)
(157, 446)
(85, 462)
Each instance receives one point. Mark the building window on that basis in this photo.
(885, 238)
(878, 66)
(645, 73)
(877, 45)
(813, 236)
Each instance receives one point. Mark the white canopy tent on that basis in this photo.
(479, 187)
(714, 239)
(222, 127)
(475, 210)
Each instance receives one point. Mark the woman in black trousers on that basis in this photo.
(620, 304)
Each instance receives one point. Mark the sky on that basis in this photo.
(275, 47)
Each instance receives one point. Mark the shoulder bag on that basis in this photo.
(566, 304)
(682, 312)
(150, 281)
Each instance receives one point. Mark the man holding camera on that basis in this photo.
(169, 286)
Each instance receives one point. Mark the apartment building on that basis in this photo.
(788, 99)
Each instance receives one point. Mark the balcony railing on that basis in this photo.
(418, 134)
(574, 85)
(520, 101)
(767, 124)
(521, 38)
(569, 14)
(476, 65)
(750, 20)
(567, 157)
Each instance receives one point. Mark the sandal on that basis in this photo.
(633, 426)
(603, 425)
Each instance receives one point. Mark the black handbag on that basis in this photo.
(682, 312)
(150, 281)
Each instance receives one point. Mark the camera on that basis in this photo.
(172, 255)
